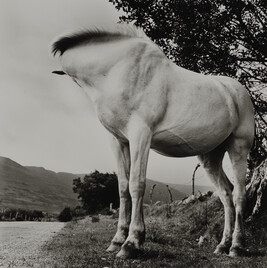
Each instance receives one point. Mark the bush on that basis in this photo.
(78, 212)
(105, 211)
(95, 218)
(65, 215)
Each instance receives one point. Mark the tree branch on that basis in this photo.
(254, 41)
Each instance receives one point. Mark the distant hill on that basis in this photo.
(37, 188)
(160, 192)
(187, 189)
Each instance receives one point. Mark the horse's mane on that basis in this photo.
(104, 34)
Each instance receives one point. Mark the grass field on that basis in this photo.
(170, 242)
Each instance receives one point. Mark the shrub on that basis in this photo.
(78, 212)
(95, 218)
(105, 211)
(65, 215)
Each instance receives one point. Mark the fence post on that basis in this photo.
(151, 192)
(193, 179)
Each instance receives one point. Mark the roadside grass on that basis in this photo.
(170, 242)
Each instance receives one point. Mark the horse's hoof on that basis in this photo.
(113, 247)
(123, 254)
(127, 251)
(221, 249)
(237, 252)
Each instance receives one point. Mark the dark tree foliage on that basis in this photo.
(225, 37)
(65, 215)
(97, 190)
(21, 214)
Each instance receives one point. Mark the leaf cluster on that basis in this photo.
(65, 215)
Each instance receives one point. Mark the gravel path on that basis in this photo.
(20, 242)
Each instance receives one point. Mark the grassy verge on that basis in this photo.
(170, 242)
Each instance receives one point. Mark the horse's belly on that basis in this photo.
(173, 150)
(172, 144)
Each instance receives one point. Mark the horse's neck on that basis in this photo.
(91, 63)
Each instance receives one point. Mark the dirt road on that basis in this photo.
(20, 242)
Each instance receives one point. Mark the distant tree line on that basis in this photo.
(21, 214)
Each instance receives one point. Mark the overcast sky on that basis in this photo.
(47, 120)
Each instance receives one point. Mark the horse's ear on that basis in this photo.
(58, 72)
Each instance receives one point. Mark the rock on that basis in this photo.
(190, 199)
(158, 203)
(215, 194)
(201, 240)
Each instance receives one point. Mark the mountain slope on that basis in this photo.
(41, 189)
(34, 188)
(160, 192)
(187, 189)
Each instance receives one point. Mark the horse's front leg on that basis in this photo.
(122, 155)
(139, 149)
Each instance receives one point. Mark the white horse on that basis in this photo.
(145, 101)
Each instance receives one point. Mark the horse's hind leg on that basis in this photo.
(212, 163)
(122, 155)
(238, 150)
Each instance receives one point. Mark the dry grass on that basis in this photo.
(170, 242)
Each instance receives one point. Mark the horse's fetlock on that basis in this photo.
(140, 235)
(124, 230)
